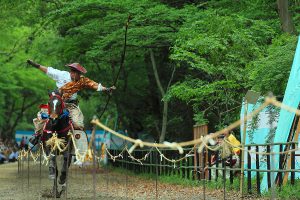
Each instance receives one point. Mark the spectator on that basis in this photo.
(13, 156)
(22, 143)
(2, 158)
(227, 152)
(26, 143)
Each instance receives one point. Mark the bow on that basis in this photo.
(121, 63)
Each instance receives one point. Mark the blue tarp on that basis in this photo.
(260, 134)
(292, 99)
(100, 137)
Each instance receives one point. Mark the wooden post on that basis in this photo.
(250, 97)
(293, 165)
(268, 166)
(243, 146)
(249, 172)
(199, 130)
(280, 165)
(289, 162)
(257, 173)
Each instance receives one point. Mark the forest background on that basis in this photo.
(187, 61)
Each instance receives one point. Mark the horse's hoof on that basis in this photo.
(63, 189)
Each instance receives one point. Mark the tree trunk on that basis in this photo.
(165, 105)
(287, 24)
(12, 122)
(164, 123)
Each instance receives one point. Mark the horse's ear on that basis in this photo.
(49, 93)
(57, 92)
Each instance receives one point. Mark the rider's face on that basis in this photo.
(75, 75)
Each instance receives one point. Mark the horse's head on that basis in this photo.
(58, 117)
(55, 105)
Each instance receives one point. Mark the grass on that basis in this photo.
(285, 192)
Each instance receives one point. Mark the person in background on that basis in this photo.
(26, 143)
(2, 157)
(13, 156)
(230, 152)
(22, 142)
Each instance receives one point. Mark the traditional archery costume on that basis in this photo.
(69, 90)
(68, 83)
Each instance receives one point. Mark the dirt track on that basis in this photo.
(109, 185)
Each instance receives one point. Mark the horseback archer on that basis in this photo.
(68, 83)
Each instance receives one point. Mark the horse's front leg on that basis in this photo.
(66, 164)
(52, 163)
(53, 172)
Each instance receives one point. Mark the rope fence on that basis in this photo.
(156, 156)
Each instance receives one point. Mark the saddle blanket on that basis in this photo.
(81, 142)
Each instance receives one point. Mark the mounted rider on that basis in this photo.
(68, 83)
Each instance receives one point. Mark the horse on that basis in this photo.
(57, 126)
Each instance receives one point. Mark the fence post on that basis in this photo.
(293, 164)
(257, 172)
(231, 172)
(217, 165)
(204, 174)
(224, 178)
(280, 165)
(156, 170)
(249, 172)
(199, 130)
(268, 166)
(209, 164)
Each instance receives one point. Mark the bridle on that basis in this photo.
(62, 107)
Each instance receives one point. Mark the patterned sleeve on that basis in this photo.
(88, 83)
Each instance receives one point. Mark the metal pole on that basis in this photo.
(126, 183)
(224, 178)
(126, 165)
(106, 172)
(204, 153)
(22, 173)
(28, 173)
(272, 175)
(40, 171)
(156, 177)
(242, 151)
(67, 170)
(55, 179)
(94, 169)
(19, 165)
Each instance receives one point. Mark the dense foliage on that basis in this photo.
(208, 54)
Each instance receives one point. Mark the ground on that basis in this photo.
(23, 184)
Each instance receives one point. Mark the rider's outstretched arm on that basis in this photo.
(88, 83)
(38, 66)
